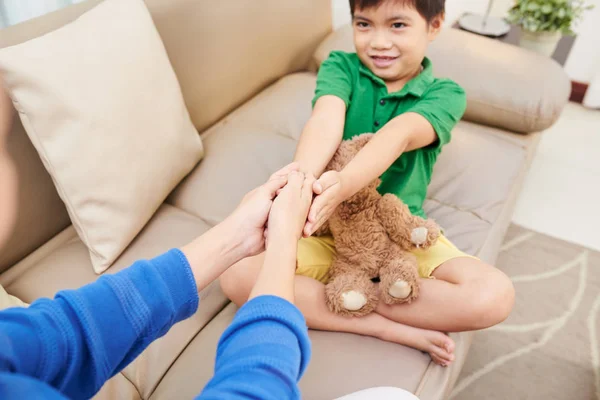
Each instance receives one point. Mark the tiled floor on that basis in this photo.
(561, 197)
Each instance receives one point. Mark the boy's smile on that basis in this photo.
(391, 40)
(382, 61)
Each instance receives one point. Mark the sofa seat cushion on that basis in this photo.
(246, 147)
(475, 180)
(341, 363)
(68, 266)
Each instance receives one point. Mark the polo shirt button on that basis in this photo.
(376, 123)
(382, 102)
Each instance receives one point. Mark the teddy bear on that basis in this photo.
(373, 236)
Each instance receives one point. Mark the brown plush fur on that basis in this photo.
(372, 235)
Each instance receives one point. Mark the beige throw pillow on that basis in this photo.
(103, 107)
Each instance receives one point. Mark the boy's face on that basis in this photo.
(391, 39)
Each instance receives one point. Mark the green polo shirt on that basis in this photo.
(369, 107)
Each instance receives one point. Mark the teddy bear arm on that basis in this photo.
(396, 219)
(403, 228)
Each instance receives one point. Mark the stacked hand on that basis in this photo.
(281, 204)
(289, 211)
(329, 194)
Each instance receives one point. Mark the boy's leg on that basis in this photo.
(237, 283)
(466, 294)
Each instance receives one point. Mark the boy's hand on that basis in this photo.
(247, 223)
(290, 208)
(330, 193)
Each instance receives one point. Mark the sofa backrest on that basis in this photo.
(223, 53)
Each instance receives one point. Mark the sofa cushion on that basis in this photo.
(40, 213)
(515, 95)
(109, 122)
(341, 363)
(473, 181)
(245, 148)
(8, 301)
(67, 266)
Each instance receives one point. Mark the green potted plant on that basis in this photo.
(543, 22)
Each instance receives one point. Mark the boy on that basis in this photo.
(387, 87)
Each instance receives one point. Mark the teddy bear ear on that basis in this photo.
(347, 150)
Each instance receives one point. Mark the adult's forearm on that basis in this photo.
(212, 253)
(83, 337)
(276, 278)
(262, 354)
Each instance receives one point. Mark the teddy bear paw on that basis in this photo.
(353, 300)
(418, 236)
(400, 289)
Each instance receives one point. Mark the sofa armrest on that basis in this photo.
(507, 87)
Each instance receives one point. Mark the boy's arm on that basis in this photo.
(322, 135)
(430, 121)
(406, 132)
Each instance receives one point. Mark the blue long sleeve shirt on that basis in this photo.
(69, 346)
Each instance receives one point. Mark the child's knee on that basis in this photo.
(238, 280)
(496, 300)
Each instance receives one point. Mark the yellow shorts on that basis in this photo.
(315, 255)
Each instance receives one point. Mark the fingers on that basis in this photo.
(323, 216)
(317, 187)
(273, 186)
(327, 180)
(319, 212)
(317, 207)
(307, 188)
(286, 170)
(293, 187)
(295, 181)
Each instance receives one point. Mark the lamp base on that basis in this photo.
(490, 26)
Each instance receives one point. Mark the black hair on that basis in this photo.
(428, 9)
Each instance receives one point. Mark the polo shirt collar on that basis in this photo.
(416, 86)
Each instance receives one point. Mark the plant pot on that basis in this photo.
(541, 42)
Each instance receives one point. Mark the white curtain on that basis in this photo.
(14, 11)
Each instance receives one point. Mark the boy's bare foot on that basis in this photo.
(439, 345)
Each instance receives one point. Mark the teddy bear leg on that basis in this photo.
(399, 279)
(351, 294)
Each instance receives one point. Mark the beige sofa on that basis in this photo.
(247, 75)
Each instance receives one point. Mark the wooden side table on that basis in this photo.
(562, 50)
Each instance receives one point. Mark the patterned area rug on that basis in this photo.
(549, 347)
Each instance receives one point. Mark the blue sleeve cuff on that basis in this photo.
(176, 272)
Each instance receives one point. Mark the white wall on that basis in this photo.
(15, 11)
(592, 97)
(584, 60)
